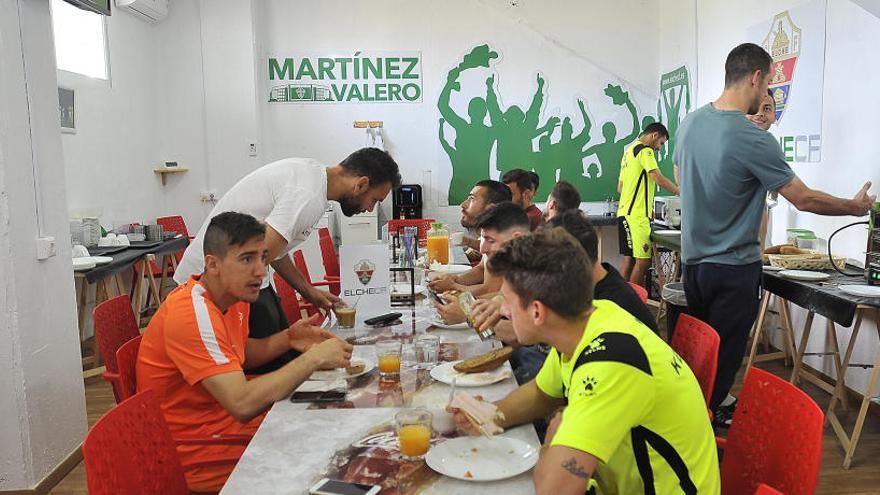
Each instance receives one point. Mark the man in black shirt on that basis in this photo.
(609, 284)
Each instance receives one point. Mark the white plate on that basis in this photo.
(330, 375)
(805, 275)
(771, 268)
(402, 289)
(444, 373)
(448, 269)
(667, 232)
(439, 323)
(80, 264)
(861, 290)
(485, 459)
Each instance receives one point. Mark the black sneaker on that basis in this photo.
(724, 415)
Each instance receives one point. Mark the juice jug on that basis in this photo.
(438, 244)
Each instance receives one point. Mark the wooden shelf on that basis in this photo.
(164, 171)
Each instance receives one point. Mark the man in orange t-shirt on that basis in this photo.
(196, 346)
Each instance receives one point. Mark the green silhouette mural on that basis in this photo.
(473, 138)
(592, 167)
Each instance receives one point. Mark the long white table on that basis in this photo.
(297, 443)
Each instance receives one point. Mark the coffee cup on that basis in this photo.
(346, 316)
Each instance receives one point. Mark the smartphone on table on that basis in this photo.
(335, 487)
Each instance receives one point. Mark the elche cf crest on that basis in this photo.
(783, 43)
(364, 270)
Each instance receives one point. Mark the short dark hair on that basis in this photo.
(522, 178)
(566, 195)
(772, 98)
(576, 223)
(536, 179)
(375, 164)
(230, 228)
(502, 217)
(656, 127)
(496, 192)
(548, 266)
(743, 60)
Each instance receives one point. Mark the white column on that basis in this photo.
(42, 411)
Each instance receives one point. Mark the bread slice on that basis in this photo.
(484, 362)
(355, 368)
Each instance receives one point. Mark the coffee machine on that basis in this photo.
(407, 202)
(872, 254)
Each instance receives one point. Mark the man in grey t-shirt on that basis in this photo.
(727, 165)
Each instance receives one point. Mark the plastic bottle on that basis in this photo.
(466, 302)
(438, 244)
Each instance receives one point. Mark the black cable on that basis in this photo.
(830, 258)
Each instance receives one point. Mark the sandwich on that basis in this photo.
(483, 415)
(484, 362)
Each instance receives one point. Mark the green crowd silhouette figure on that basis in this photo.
(594, 171)
(473, 139)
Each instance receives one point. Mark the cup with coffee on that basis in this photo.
(345, 315)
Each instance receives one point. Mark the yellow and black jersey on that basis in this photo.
(637, 193)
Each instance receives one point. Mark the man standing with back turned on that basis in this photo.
(727, 166)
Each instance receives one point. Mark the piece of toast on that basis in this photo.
(355, 368)
(484, 362)
(776, 249)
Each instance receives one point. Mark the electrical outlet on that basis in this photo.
(45, 247)
(252, 149)
(208, 196)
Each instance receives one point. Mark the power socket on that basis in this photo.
(45, 248)
(208, 196)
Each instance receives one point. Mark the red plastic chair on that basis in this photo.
(176, 224)
(115, 324)
(643, 294)
(775, 438)
(126, 360)
(424, 225)
(766, 490)
(697, 343)
(130, 450)
(289, 299)
(330, 259)
(299, 260)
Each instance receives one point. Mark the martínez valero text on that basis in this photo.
(388, 77)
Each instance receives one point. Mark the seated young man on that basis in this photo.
(196, 346)
(497, 225)
(523, 184)
(634, 415)
(563, 197)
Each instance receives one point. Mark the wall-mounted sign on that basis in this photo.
(66, 109)
(795, 39)
(364, 77)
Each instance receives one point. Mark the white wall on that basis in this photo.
(850, 106)
(42, 418)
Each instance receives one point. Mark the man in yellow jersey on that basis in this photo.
(639, 175)
(634, 417)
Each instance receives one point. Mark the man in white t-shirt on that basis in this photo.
(290, 196)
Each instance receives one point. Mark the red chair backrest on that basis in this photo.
(289, 301)
(643, 294)
(775, 438)
(173, 223)
(130, 450)
(115, 325)
(126, 359)
(697, 343)
(766, 490)
(299, 260)
(328, 253)
(424, 225)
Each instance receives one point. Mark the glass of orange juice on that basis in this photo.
(438, 244)
(414, 431)
(388, 355)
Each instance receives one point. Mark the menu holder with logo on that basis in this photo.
(365, 278)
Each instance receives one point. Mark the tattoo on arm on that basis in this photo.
(572, 467)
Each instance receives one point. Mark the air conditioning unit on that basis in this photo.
(147, 10)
